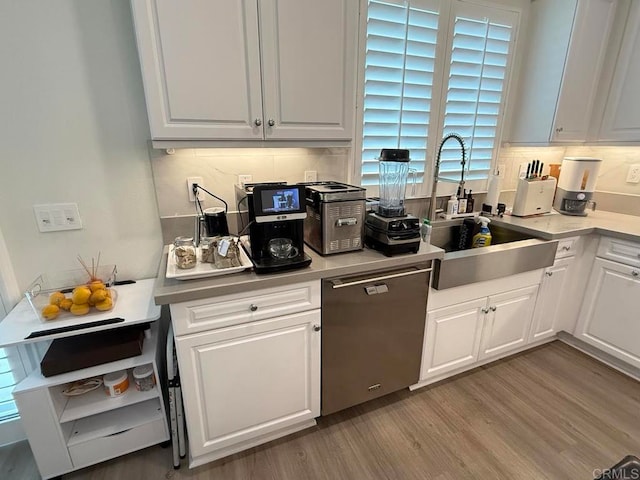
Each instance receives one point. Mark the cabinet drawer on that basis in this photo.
(619, 251)
(224, 311)
(567, 247)
(110, 446)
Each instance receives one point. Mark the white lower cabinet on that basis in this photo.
(550, 297)
(452, 337)
(462, 334)
(609, 317)
(508, 321)
(248, 383)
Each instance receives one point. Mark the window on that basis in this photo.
(10, 373)
(431, 68)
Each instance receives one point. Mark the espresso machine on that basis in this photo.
(275, 219)
(390, 229)
(577, 182)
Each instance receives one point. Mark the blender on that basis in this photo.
(390, 229)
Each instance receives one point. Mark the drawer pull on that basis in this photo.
(548, 274)
(317, 328)
(634, 273)
(253, 307)
(566, 248)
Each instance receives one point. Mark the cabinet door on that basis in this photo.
(200, 65)
(587, 48)
(452, 337)
(249, 380)
(308, 68)
(508, 321)
(552, 292)
(609, 317)
(621, 120)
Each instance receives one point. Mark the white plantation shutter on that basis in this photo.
(480, 55)
(400, 82)
(399, 67)
(11, 372)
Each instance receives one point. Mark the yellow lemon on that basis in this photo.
(96, 285)
(50, 312)
(81, 295)
(97, 296)
(80, 309)
(56, 297)
(66, 304)
(105, 305)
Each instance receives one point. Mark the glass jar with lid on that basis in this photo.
(184, 252)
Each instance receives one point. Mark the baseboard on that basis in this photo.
(225, 452)
(599, 355)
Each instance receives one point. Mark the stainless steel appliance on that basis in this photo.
(576, 185)
(372, 332)
(335, 217)
(276, 213)
(391, 230)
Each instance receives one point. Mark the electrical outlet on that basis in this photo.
(501, 170)
(190, 182)
(242, 179)
(310, 176)
(634, 174)
(57, 216)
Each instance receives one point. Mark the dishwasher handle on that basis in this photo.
(338, 283)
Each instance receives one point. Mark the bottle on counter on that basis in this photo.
(425, 230)
(483, 237)
(470, 202)
(452, 205)
(462, 202)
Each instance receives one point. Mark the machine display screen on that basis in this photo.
(285, 202)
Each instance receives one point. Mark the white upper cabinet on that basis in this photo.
(560, 72)
(248, 69)
(621, 121)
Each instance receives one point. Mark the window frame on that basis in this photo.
(446, 21)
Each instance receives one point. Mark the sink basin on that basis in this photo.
(510, 252)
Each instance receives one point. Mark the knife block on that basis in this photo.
(534, 197)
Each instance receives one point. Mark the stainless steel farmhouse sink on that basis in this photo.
(510, 252)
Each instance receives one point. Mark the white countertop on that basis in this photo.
(134, 304)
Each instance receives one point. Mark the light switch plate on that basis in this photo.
(53, 217)
(310, 176)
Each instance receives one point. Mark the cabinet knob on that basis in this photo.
(271, 122)
(317, 328)
(484, 310)
(253, 307)
(258, 122)
(493, 309)
(549, 274)
(559, 129)
(634, 273)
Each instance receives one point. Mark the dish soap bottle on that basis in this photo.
(452, 205)
(483, 237)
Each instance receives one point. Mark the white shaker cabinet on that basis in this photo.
(559, 76)
(248, 70)
(508, 321)
(249, 366)
(550, 298)
(609, 317)
(452, 337)
(621, 120)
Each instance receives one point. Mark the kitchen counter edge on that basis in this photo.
(168, 291)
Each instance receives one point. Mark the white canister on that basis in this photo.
(144, 378)
(116, 383)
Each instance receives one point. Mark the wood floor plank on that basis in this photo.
(549, 413)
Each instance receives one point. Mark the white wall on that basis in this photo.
(73, 128)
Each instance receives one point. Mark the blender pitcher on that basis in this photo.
(394, 169)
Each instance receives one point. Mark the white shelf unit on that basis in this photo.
(68, 433)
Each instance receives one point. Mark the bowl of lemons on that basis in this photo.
(73, 293)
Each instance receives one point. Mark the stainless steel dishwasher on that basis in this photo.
(372, 331)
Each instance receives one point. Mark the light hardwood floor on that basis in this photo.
(550, 413)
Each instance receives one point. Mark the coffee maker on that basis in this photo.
(276, 213)
(577, 182)
(391, 230)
